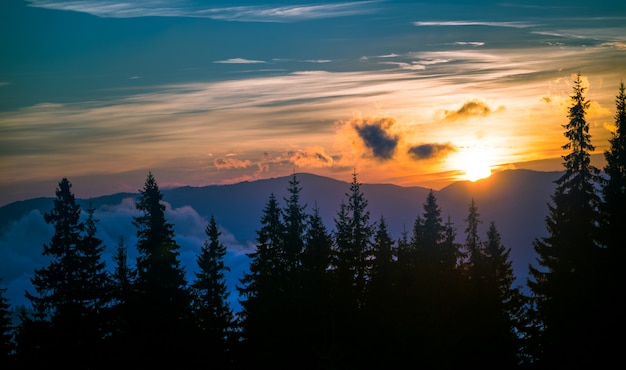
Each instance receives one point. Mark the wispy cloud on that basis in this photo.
(474, 23)
(249, 13)
(229, 163)
(238, 61)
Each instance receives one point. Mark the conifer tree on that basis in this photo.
(381, 306)
(262, 290)
(317, 327)
(472, 239)
(501, 306)
(6, 332)
(613, 209)
(564, 283)
(614, 189)
(71, 289)
(161, 302)
(214, 318)
(120, 315)
(95, 278)
(435, 302)
(295, 218)
(123, 275)
(353, 234)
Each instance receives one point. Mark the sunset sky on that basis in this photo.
(216, 92)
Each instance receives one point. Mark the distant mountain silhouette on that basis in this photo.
(516, 200)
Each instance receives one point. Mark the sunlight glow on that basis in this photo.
(475, 163)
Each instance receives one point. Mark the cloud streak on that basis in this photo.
(161, 8)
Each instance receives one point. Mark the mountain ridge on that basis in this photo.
(516, 200)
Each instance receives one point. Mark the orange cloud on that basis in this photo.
(471, 108)
(229, 163)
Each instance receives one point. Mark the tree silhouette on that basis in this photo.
(120, 316)
(262, 292)
(381, 306)
(317, 326)
(71, 289)
(161, 304)
(613, 235)
(7, 346)
(350, 270)
(213, 316)
(564, 283)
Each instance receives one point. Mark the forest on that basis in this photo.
(350, 297)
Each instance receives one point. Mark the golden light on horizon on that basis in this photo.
(474, 163)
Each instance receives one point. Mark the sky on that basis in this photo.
(413, 93)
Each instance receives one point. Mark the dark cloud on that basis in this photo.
(431, 150)
(471, 108)
(375, 136)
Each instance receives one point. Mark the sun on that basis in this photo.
(474, 163)
(477, 171)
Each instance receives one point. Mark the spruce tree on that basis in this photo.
(472, 239)
(95, 278)
(66, 308)
(565, 282)
(381, 305)
(295, 218)
(353, 233)
(213, 316)
(352, 237)
(502, 305)
(435, 300)
(161, 301)
(613, 208)
(7, 344)
(317, 324)
(262, 291)
(120, 315)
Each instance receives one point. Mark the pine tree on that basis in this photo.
(353, 233)
(6, 332)
(381, 303)
(262, 291)
(352, 237)
(613, 209)
(502, 305)
(214, 318)
(472, 239)
(71, 289)
(435, 304)
(317, 327)
(95, 278)
(295, 218)
(162, 301)
(564, 284)
(120, 315)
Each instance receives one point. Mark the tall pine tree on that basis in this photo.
(71, 289)
(262, 292)
(161, 304)
(212, 312)
(565, 282)
(613, 208)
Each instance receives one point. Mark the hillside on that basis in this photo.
(515, 199)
